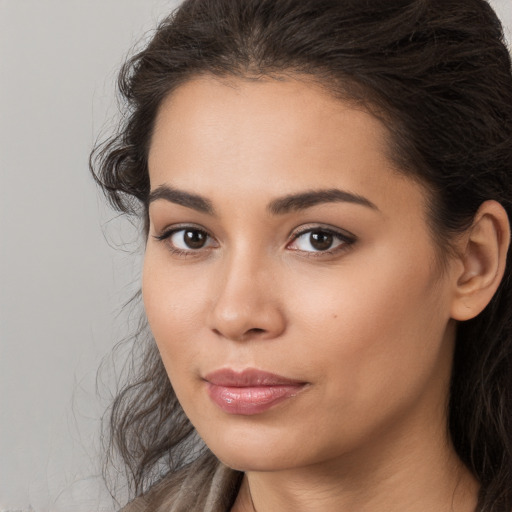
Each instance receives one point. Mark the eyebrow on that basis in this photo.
(304, 200)
(187, 199)
(279, 206)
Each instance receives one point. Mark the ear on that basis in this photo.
(483, 254)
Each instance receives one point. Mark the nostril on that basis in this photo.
(255, 330)
(253, 333)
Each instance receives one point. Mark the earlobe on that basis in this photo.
(483, 257)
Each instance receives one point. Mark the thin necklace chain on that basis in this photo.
(250, 497)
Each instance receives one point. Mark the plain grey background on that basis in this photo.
(62, 285)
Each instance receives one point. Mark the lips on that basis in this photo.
(250, 391)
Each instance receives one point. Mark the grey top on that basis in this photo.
(205, 485)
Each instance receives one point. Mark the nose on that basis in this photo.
(246, 302)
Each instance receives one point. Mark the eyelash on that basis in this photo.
(346, 239)
(167, 234)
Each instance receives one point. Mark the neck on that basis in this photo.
(400, 474)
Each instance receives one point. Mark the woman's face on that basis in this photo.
(290, 277)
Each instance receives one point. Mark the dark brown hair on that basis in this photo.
(439, 74)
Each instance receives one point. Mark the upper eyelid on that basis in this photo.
(321, 227)
(169, 230)
(167, 233)
(346, 239)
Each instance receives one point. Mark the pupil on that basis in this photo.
(321, 240)
(195, 239)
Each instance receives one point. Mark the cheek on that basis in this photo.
(173, 308)
(373, 330)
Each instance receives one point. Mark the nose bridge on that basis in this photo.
(246, 301)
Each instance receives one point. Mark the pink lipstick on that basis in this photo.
(250, 391)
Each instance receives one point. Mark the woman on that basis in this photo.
(326, 193)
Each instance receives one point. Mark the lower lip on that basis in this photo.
(251, 400)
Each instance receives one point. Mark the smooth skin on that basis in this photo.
(343, 290)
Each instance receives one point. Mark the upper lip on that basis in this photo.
(248, 377)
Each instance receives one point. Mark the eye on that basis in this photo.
(189, 239)
(185, 240)
(320, 240)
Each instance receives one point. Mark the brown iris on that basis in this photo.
(321, 240)
(194, 238)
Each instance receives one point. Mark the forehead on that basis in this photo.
(243, 112)
(269, 137)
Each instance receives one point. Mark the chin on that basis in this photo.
(250, 451)
(255, 462)
(259, 451)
